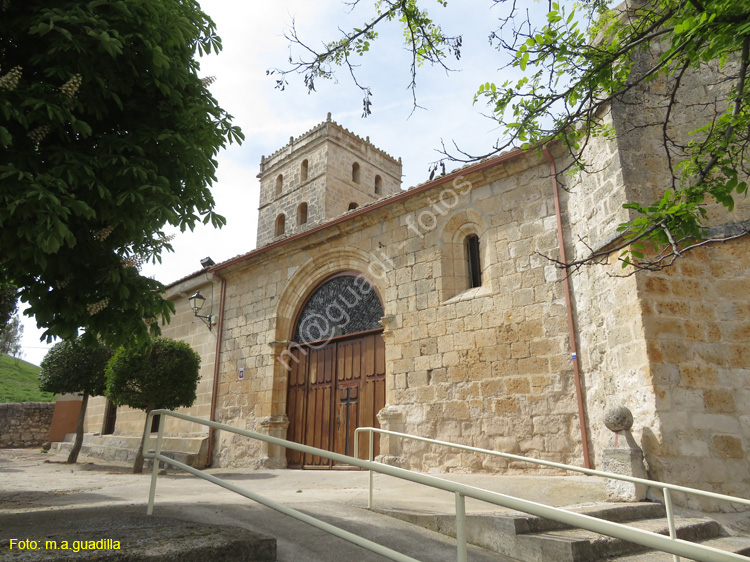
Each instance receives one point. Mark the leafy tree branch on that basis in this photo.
(579, 60)
(107, 136)
(425, 38)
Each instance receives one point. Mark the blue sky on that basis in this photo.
(253, 40)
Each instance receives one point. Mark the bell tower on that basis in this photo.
(319, 176)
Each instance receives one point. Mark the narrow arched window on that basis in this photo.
(279, 183)
(303, 171)
(280, 225)
(355, 172)
(302, 214)
(352, 206)
(472, 259)
(378, 185)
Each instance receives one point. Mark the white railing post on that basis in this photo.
(155, 468)
(371, 458)
(670, 519)
(461, 527)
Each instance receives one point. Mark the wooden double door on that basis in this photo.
(333, 390)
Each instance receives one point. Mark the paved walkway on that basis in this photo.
(39, 491)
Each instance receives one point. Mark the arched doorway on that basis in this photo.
(337, 378)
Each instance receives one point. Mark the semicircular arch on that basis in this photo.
(310, 276)
(461, 224)
(453, 276)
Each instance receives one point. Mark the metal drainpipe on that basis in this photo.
(217, 361)
(569, 306)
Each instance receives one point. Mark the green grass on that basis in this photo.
(18, 382)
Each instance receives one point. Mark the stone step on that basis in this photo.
(534, 539)
(618, 513)
(128, 455)
(738, 545)
(579, 545)
(189, 450)
(499, 532)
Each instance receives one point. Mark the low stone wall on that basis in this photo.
(25, 424)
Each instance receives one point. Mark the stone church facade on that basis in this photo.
(437, 311)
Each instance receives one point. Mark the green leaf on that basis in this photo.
(5, 137)
(66, 191)
(524, 60)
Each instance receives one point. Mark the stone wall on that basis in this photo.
(328, 189)
(346, 149)
(488, 366)
(694, 313)
(641, 145)
(25, 424)
(669, 345)
(612, 351)
(294, 192)
(186, 327)
(491, 366)
(696, 318)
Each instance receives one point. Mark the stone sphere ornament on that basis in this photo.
(618, 418)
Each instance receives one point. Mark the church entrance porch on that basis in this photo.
(332, 390)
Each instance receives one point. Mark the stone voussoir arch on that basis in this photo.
(311, 274)
(462, 223)
(452, 278)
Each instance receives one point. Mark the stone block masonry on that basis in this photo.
(317, 171)
(477, 344)
(185, 327)
(25, 424)
(486, 366)
(696, 318)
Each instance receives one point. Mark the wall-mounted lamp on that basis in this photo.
(196, 303)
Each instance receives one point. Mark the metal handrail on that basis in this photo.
(322, 525)
(589, 471)
(665, 487)
(461, 491)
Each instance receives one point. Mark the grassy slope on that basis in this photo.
(18, 382)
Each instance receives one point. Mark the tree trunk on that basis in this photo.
(73, 456)
(138, 464)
